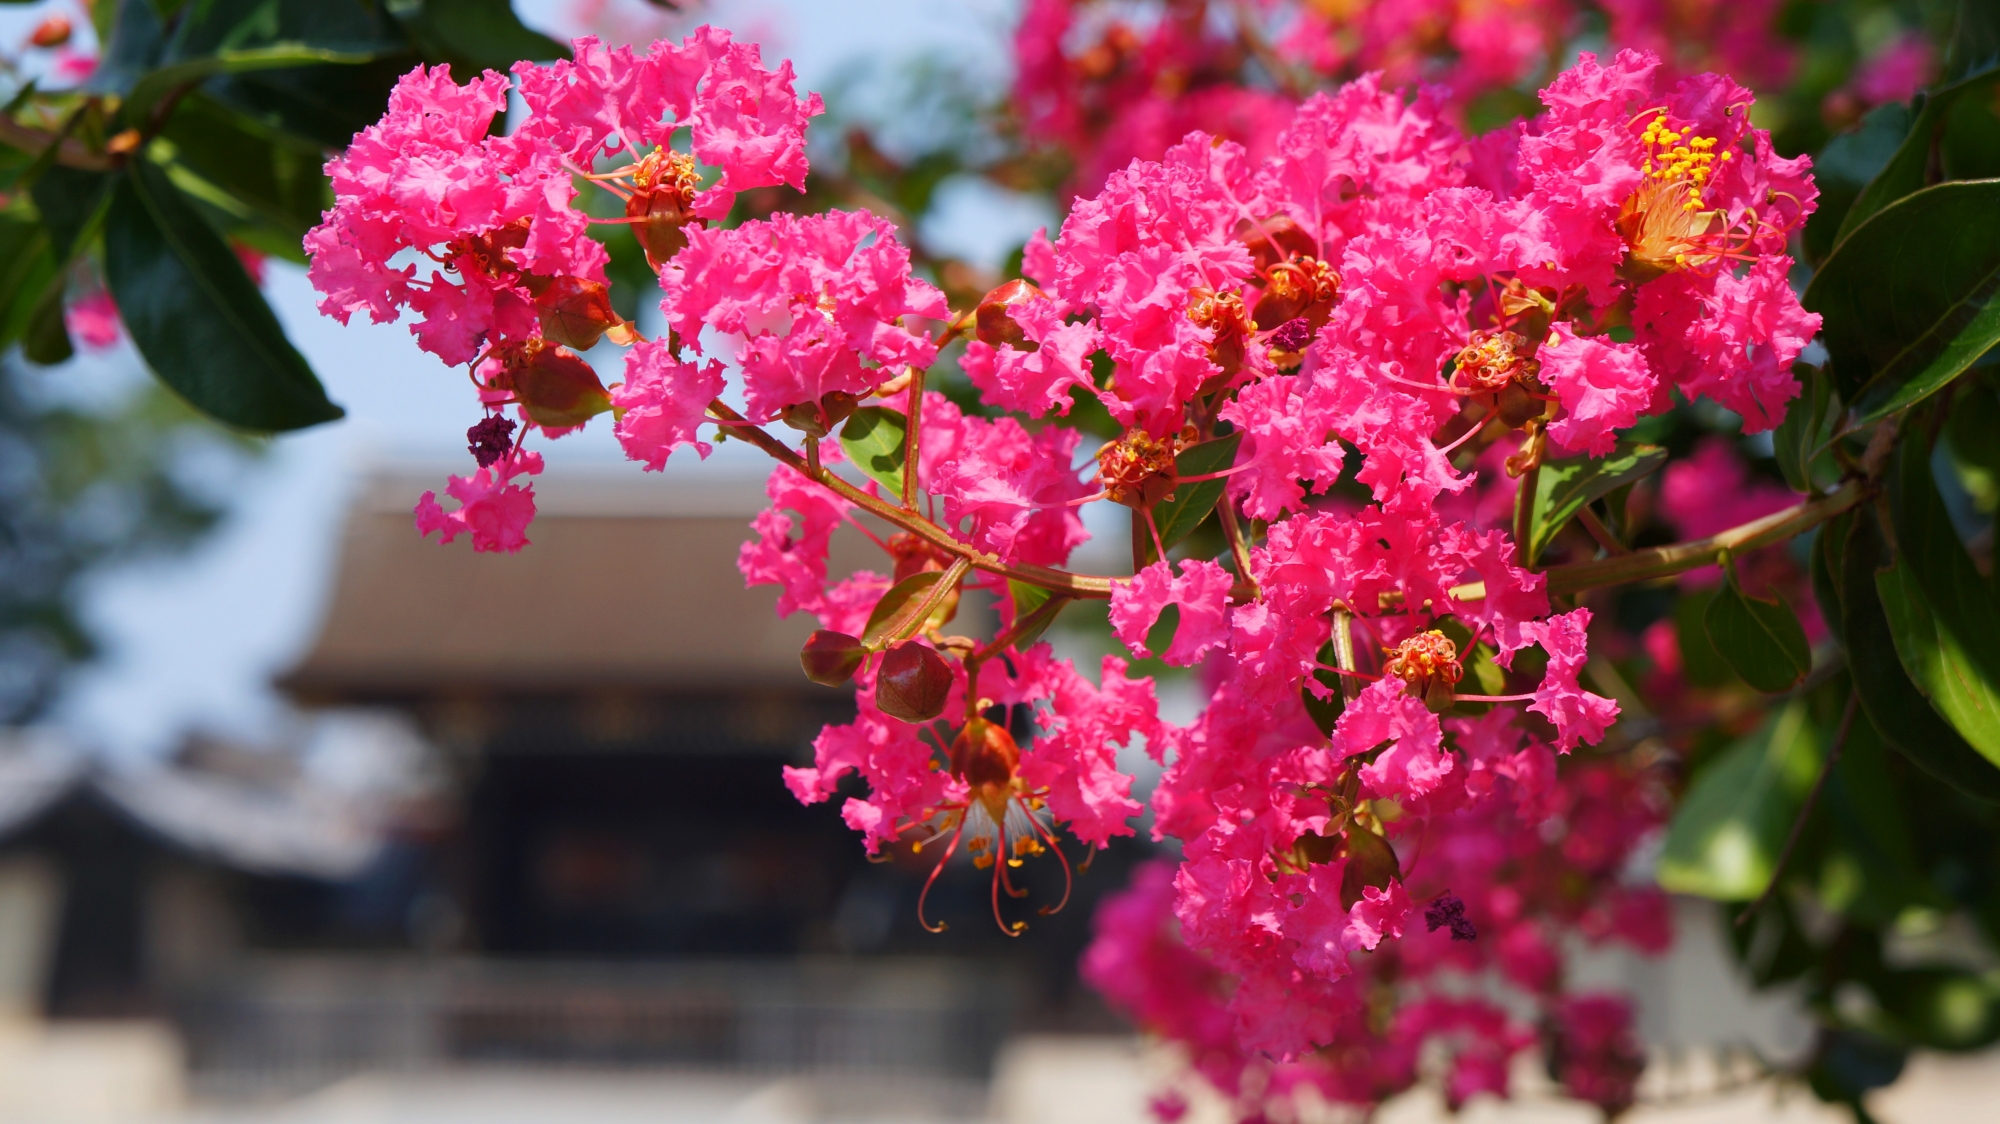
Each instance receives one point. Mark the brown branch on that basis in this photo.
(71, 153)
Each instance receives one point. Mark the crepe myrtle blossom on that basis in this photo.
(1385, 786)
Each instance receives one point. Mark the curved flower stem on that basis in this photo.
(1059, 581)
(1675, 558)
(913, 439)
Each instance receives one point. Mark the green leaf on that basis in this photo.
(895, 615)
(1725, 836)
(1564, 487)
(1845, 166)
(72, 203)
(485, 34)
(1160, 637)
(148, 91)
(1899, 712)
(1702, 665)
(1036, 606)
(1943, 1008)
(195, 316)
(1909, 297)
(271, 177)
(1941, 614)
(27, 266)
(1761, 641)
(1178, 515)
(1975, 40)
(1906, 172)
(875, 439)
(45, 338)
(1795, 439)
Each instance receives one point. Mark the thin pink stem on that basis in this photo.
(935, 871)
(1467, 436)
(1493, 698)
(1212, 475)
(1361, 675)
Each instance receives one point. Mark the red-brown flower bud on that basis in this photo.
(51, 32)
(985, 756)
(554, 385)
(912, 682)
(1274, 240)
(575, 311)
(993, 321)
(831, 658)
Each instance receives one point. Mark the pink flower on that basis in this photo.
(663, 403)
(1201, 590)
(1578, 715)
(1603, 387)
(1076, 760)
(491, 508)
(817, 301)
(93, 321)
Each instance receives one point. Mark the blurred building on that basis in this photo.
(541, 819)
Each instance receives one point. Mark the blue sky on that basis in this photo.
(193, 642)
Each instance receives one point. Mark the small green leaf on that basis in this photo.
(1761, 641)
(1160, 637)
(1701, 664)
(1909, 297)
(1900, 713)
(72, 203)
(1037, 607)
(1178, 516)
(195, 316)
(1845, 165)
(1370, 862)
(1324, 712)
(895, 615)
(1795, 439)
(27, 266)
(1564, 487)
(1725, 836)
(875, 439)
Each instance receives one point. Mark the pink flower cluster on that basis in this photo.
(1366, 334)
(1529, 856)
(1109, 82)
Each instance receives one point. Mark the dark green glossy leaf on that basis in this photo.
(895, 615)
(1178, 516)
(1160, 637)
(1564, 487)
(1795, 439)
(269, 177)
(1761, 640)
(156, 85)
(1975, 40)
(1909, 297)
(72, 203)
(1846, 165)
(45, 338)
(1869, 869)
(137, 39)
(1701, 664)
(1906, 171)
(485, 34)
(196, 317)
(1901, 715)
(875, 439)
(1945, 624)
(27, 266)
(1726, 833)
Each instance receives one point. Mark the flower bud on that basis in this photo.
(51, 32)
(575, 311)
(831, 658)
(554, 385)
(490, 439)
(984, 755)
(912, 683)
(1307, 287)
(993, 320)
(1225, 315)
(1274, 240)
